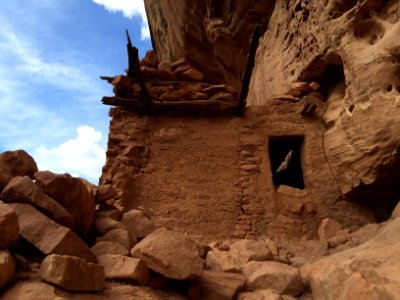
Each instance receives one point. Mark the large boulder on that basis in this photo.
(127, 269)
(72, 273)
(279, 277)
(368, 271)
(170, 253)
(49, 236)
(7, 267)
(217, 286)
(14, 163)
(119, 235)
(9, 226)
(72, 194)
(21, 189)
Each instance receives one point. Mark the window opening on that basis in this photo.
(285, 157)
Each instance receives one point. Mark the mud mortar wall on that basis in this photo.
(211, 176)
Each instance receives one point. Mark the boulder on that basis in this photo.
(170, 253)
(7, 267)
(72, 194)
(47, 235)
(72, 273)
(221, 261)
(244, 251)
(113, 213)
(217, 286)
(9, 226)
(150, 60)
(118, 267)
(119, 235)
(104, 224)
(21, 189)
(328, 229)
(281, 278)
(105, 247)
(137, 223)
(368, 271)
(16, 163)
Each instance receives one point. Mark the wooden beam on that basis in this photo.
(134, 73)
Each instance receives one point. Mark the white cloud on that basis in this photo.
(129, 8)
(82, 155)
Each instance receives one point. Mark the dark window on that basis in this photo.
(285, 156)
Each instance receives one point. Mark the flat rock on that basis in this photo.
(72, 194)
(170, 253)
(221, 261)
(137, 223)
(217, 286)
(281, 278)
(9, 226)
(7, 267)
(106, 247)
(66, 272)
(244, 251)
(21, 189)
(47, 235)
(118, 267)
(119, 235)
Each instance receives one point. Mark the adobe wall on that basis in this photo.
(210, 175)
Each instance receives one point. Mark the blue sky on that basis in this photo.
(52, 53)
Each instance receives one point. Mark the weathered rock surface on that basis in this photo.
(217, 285)
(7, 267)
(15, 163)
(137, 223)
(9, 226)
(72, 194)
(21, 189)
(182, 28)
(368, 271)
(170, 253)
(106, 247)
(47, 235)
(72, 273)
(244, 251)
(272, 275)
(118, 267)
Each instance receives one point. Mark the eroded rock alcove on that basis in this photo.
(237, 167)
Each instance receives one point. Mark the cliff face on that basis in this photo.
(214, 36)
(350, 47)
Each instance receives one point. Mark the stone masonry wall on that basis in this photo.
(210, 175)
